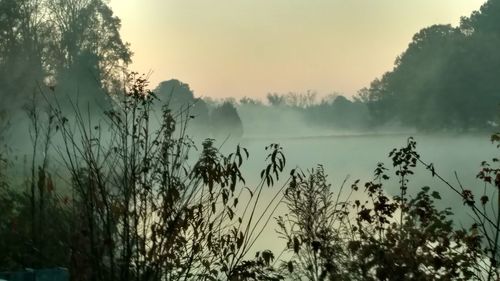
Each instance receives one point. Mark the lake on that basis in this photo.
(356, 156)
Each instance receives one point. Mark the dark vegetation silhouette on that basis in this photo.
(133, 206)
(74, 44)
(219, 121)
(226, 121)
(383, 238)
(128, 195)
(289, 114)
(445, 81)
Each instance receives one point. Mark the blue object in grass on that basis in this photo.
(53, 274)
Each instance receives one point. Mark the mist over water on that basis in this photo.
(117, 179)
(346, 155)
(355, 157)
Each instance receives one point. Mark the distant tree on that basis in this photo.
(446, 78)
(226, 121)
(22, 44)
(72, 44)
(292, 99)
(483, 21)
(87, 30)
(337, 111)
(250, 101)
(275, 99)
(345, 113)
(328, 99)
(181, 100)
(407, 92)
(200, 114)
(176, 93)
(300, 100)
(363, 95)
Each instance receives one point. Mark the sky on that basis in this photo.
(236, 48)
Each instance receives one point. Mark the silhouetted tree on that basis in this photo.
(181, 100)
(87, 29)
(73, 44)
(175, 93)
(334, 237)
(226, 121)
(250, 101)
(22, 46)
(446, 78)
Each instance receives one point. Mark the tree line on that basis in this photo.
(447, 78)
(72, 44)
(444, 81)
(120, 200)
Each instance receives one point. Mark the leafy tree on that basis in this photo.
(181, 100)
(22, 44)
(445, 78)
(275, 99)
(381, 238)
(250, 101)
(175, 93)
(73, 44)
(84, 30)
(226, 121)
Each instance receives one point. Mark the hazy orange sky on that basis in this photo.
(237, 48)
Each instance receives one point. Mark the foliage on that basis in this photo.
(226, 121)
(286, 113)
(181, 100)
(381, 238)
(52, 243)
(258, 269)
(445, 79)
(74, 44)
(139, 207)
(313, 228)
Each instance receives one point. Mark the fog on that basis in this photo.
(155, 160)
(352, 157)
(348, 146)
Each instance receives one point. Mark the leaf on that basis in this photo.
(316, 245)
(484, 199)
(230, 213)
(296, 245)
(251, 193)
(436, 195)
(290, 266)
(225, 196)
(268, 257)
(239, 240)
